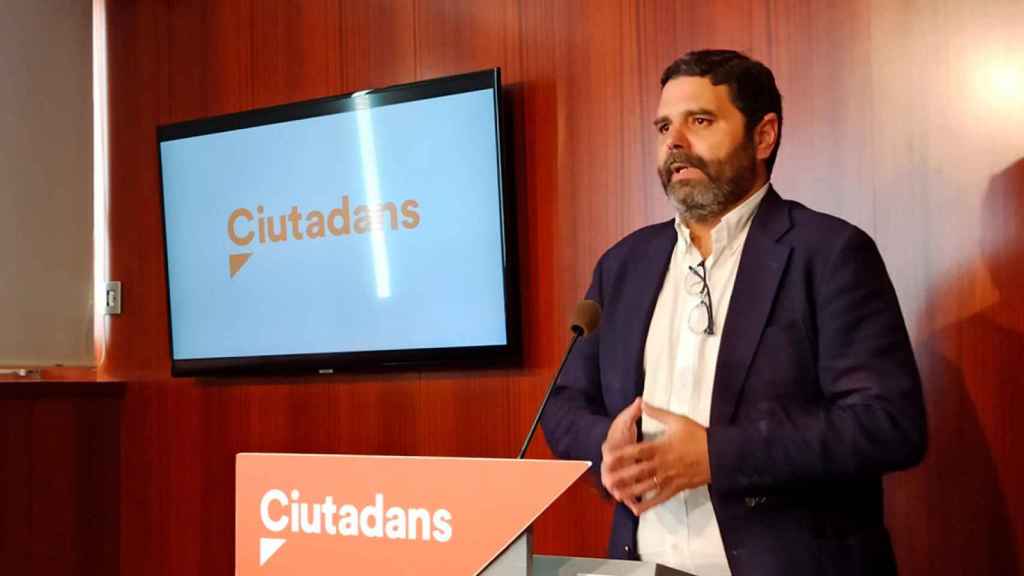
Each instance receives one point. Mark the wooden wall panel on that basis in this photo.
(59, 469)
(902, 117)
(381, 58)
(137, 83)
(15, 532)
(295, 51)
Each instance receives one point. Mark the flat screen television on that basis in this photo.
(360, 231)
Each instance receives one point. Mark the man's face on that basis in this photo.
(706, 161)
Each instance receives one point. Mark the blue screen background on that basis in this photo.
(437, 285)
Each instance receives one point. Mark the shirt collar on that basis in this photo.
(731, 227)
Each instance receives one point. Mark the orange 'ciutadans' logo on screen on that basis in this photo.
(248, 229)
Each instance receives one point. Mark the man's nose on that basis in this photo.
(677, 139)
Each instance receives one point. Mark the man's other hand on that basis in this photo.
(645, 474)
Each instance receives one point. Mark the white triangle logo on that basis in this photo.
(268, 546)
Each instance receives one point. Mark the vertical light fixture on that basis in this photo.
(100, 178)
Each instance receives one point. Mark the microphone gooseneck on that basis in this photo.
(584, 321)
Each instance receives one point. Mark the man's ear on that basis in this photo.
(766, 135)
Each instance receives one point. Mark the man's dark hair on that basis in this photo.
(751, 84)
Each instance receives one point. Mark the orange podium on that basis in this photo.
(326, 514)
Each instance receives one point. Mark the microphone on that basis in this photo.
(584, 321)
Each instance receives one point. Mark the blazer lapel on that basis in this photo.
(650, 276)
(757, 279)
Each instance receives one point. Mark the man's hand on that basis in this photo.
(621, 434)
(676, 461)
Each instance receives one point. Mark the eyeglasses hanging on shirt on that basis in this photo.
(701, 319)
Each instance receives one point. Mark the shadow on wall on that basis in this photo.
(962, 511)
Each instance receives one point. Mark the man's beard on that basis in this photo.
(728, 180)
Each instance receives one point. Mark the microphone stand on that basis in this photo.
(577, 331)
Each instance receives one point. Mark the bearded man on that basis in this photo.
(751, 379)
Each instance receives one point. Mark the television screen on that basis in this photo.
(363, 230)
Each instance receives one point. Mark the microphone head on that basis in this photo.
(586, 318)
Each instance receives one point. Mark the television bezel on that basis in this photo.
(496, 356)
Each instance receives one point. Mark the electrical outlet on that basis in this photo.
(113, 298)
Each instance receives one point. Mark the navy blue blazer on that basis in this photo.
(816, 391)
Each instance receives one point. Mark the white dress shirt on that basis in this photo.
(679, 367)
